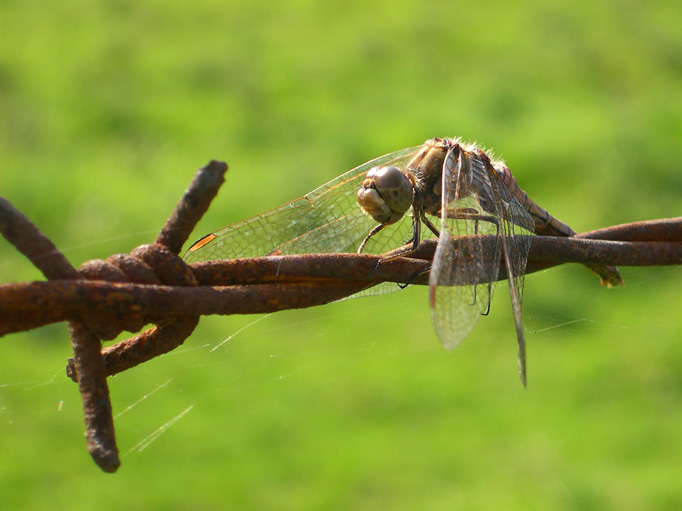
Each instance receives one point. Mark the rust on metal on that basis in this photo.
(153, 285)
(150, 265)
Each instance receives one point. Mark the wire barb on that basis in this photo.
(154, 285)
(150, 265)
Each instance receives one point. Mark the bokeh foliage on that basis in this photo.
(107, 107)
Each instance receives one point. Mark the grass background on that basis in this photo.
(106, 109)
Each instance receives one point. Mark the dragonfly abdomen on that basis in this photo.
(545, 224)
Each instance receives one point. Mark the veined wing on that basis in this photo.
(517, 226)
(325, 220)
(462, 281)
(455, 305)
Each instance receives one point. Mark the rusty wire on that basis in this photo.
(152, 285)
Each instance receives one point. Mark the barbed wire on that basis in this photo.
(153, 285)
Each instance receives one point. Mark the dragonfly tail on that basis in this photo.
(609, 275)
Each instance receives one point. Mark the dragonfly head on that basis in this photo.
(386, 194)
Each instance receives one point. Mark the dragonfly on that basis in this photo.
(393, 201)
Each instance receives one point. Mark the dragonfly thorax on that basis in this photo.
(386, 194)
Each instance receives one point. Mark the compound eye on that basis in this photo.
(395, 188)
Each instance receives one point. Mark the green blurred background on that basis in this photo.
(108, 107)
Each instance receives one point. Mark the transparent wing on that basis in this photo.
(325, 220)
(456, 305)
(517, 228)
(475, 201)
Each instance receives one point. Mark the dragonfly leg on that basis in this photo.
(490, 283)
(431, 227)
(371, 233)
(416, 236)
(473, 214)
(412, 277)
(487, 310)
(495, 222)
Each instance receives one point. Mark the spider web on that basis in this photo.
(273, 357)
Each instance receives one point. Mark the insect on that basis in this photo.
(395, 199)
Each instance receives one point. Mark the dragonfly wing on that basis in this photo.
(323, 221)
(517, 226)
(462, 279)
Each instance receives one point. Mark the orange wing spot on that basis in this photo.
(206, 239)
